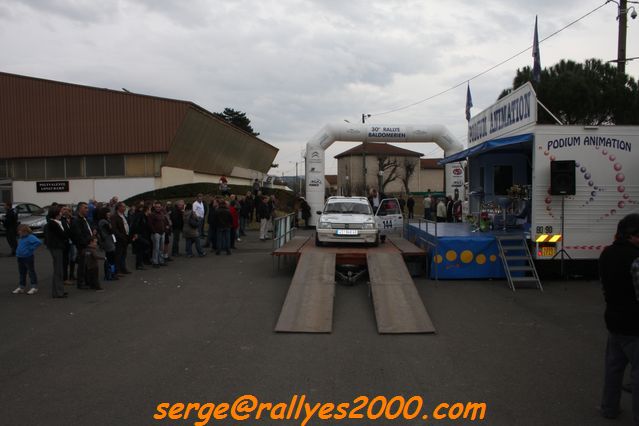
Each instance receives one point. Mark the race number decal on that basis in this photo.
(387, 224)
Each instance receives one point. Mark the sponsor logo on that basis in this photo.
(315, 182)
(457, 172)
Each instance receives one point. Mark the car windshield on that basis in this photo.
(38, 212)
(348, 207)
(388, 207)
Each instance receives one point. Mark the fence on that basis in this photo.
(430, 246)
(283, 230)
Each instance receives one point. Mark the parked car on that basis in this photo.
(347, 220)
(28, 214)
(389, 217)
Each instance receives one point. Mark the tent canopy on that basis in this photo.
(488, 146)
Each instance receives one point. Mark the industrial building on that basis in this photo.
(67, 143)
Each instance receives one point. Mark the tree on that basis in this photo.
(409, 170)
(237, 119)
(592, 93)
(385, 163)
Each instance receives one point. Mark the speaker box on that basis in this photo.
(562, 177)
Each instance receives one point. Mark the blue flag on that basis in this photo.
(469, 102)
(536, 71)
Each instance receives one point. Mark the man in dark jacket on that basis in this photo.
(619, 272)
(81, 234)
(11, 227)
(121, 230)
(177, 222)
(156, 223)
(410, 205)
(223, 224)
(246, 208)
(57, 238)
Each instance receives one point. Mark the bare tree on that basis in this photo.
(409, 171)
(389, 167)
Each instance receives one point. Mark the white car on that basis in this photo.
(389, 217)
(347, 220)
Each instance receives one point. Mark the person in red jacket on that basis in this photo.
(235, 214)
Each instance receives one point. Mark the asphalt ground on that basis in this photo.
(201, 330)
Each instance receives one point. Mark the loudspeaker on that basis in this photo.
(562, 177)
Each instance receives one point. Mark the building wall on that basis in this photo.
(353, 167)
(102, 189)
(432, 179)
(82, 190)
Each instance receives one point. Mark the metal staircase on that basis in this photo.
(517, 261)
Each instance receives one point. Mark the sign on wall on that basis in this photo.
(53, 186)
(512, 112)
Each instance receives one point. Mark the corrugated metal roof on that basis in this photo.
(41, 118)
(379, 149)
(45, 118)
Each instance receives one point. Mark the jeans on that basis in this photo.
(200, 226)
(175, 249)
(620, 351)
(198, 246)
(243, 222)
(119, 257)
(158, 244)
(223, 239)
(57, 279)
(27, 265)
(212, 236)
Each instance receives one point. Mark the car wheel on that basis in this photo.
(376, 243)
(318, 243)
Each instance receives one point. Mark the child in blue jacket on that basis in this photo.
(27, 245)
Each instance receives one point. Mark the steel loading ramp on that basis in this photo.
(308, 307)
(398, 306)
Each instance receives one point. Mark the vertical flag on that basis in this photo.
(536, 71)
(469, 102)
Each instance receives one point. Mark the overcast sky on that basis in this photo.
(295, 65)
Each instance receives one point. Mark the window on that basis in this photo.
(55, 168)
(95, 166)
(74, 167)
(19, 169)
(503, 179)
(114, 165)
(136, 165)
(35, 168)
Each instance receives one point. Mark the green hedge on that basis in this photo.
(188, 192)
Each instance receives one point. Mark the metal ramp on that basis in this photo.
(398, 307)
(308, 307)
(517, 261)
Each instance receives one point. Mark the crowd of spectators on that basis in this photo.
(80, 239)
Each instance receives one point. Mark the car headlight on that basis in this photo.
(368, 226)
(39, 223)
(323, 225)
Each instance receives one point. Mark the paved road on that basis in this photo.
(202, 330)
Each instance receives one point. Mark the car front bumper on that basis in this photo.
(363, 236)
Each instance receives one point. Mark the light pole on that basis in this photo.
(622, 17)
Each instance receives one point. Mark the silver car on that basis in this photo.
(29, 214)
(347, 220)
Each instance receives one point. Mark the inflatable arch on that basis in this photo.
(347, 132)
